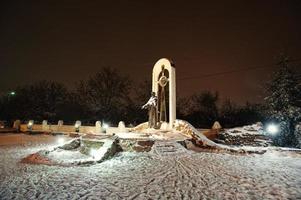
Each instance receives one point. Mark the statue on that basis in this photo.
(164, 85)
(151, 105)
(163, 80)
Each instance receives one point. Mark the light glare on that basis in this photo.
(105, 126)
(95, 153)
(30, 124)
(272, 129)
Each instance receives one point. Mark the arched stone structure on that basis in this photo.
(168, 65)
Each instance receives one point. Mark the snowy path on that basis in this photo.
(188, 175)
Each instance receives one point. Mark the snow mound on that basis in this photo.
(251, 135)
(139, 127)
(273, 175)
(254, 129)
(188, 130)
(76, 152)
(202, 141)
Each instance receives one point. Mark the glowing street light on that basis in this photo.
(30, 125)
(105, 126)
(77, 125)
(272, 129)
(12, 93)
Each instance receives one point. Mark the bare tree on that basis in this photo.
(105, 94)
(38, 101)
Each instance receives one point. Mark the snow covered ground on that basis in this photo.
(187, 175)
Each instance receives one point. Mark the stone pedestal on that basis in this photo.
(98, 128)
(121, 127)
(45, 125)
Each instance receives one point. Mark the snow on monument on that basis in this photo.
(163, 134)
(164, 81)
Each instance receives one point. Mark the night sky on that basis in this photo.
(67, 41)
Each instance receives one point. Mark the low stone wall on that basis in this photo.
(68, 129)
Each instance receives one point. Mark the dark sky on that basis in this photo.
(67, 41)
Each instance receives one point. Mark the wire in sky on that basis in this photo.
(232, 71)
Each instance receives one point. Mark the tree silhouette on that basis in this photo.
(282, 102)
(105, 95)
(37, 101)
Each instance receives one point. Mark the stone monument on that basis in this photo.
(164, 75)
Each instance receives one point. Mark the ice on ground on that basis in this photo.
(189, 175)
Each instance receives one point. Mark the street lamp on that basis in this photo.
(30, 125)
(272, 128)
(105, 127)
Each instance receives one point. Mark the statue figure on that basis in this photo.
(163, 80)
(151, 105)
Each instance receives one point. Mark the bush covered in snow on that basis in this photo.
(284, 106)
(252, 135)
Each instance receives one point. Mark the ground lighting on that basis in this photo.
(96, 153)
(30, 124)
(77, 125)
(105, 126)
(272, 128)
(93, 153)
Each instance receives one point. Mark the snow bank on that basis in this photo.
(151, 176)
(254, 129)
(187, 129)
(252, 135)
(76, 152)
